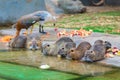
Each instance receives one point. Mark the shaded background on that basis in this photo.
(11, 10)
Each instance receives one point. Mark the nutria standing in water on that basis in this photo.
(18, 42)
(78, 53)
(60, 47)
(25, 42)
(97, 51)
(34, 44)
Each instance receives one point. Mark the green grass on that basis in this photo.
(105, 22)
(111, 13)
(103, 29)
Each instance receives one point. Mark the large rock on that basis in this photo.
(72, 6)
(18, 8)
(53, 8)
(11, 10)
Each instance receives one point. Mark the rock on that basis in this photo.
(72, 6)
(44, 66)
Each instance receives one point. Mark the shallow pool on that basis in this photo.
(24, 65)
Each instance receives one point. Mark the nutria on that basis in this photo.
(78, 53)
(97, 51)
(34, 44)
(63, 49)
(47, 49)
(108, 45)
(63, 39)
(25, 42)
(99, 42)
(60, 47)
(18, 42)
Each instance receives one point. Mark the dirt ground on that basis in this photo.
(102, 8)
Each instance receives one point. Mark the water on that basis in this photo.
(36, 59)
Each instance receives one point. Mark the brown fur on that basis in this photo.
(97, 51)
(25, 42)
(60, 47)
(78, 53)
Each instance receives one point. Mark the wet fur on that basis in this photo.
(97, 51)
(60, 47)
(78, 53)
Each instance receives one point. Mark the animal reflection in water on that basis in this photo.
(29, 20)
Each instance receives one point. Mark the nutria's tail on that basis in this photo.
(14, 26)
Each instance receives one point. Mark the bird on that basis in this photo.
(30, 19)
(45, 16)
